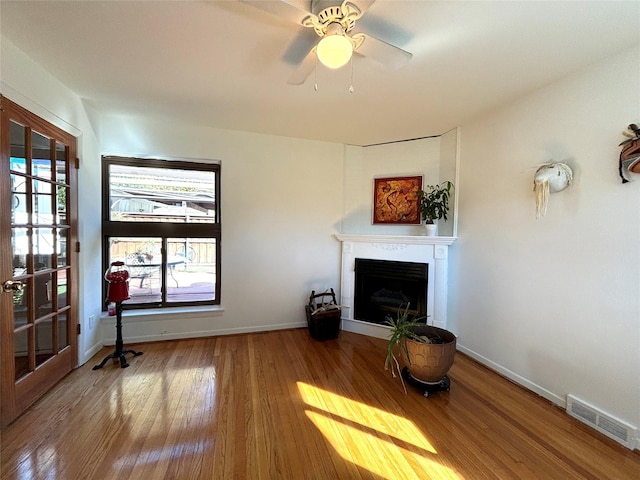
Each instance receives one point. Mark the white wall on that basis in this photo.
(554, 303)
(26, 83)
(417, 157)
(449, 170)
(281, 204)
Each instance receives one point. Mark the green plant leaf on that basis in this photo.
(401, 327)
(434, 201)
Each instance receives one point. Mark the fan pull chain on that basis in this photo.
(351, 89)
(315, 76)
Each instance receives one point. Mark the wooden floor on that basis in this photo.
(279, 405)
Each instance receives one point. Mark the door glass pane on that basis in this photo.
(20, 246)
(21, 352)
(61, 202)
(44, 341)
(63, 339)
(19, 200)
(63, 290)
(61, 163)
(17, 138)
(61, 246)
(20, 305)
(191, 269)
(42, 248)
(18, 165)
(42, 213)
(41, 155)
(43, 284)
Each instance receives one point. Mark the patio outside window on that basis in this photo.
(161, 218)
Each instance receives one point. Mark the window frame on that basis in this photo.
(163, 230)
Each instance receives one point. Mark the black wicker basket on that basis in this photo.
(323, 316)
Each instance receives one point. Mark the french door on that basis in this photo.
(38, 258)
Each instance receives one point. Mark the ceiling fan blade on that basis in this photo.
(299, 47)
(305, 68)
(389, 55)
(293, 10)
(363, 5)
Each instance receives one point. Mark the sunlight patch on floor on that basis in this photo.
(169, 453)
(379, 441)
(41, 464)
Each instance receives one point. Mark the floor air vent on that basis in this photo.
(612, 427)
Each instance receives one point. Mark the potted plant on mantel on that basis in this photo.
(426, 352)
(434, 204)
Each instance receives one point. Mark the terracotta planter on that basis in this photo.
(430, 362)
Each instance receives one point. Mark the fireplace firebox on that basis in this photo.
(382, 287)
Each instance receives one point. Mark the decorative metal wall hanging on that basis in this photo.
(630, 153)
(550, 178)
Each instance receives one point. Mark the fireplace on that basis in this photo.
(383, 287)
(431, 252)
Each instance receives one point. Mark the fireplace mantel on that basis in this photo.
(396, 239)
(431, 250)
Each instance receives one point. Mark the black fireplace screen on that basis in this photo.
(382, 287)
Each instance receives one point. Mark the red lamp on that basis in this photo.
(117, 277)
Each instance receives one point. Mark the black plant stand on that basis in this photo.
(119, 353)
(443, 385)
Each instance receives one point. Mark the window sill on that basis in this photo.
(143, 315)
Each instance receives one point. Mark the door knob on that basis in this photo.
(12, 286)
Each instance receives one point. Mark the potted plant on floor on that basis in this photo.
(426, 352)
(434, 204)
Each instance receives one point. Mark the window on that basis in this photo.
(162, 219)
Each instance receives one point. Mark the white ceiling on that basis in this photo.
(225, 64)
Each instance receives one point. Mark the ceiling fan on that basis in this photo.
(332, 21)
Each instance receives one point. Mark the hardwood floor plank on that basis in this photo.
(280, 405)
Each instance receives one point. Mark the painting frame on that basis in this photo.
(395, 201)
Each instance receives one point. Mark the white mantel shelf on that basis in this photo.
(398, 239)
(432, 250)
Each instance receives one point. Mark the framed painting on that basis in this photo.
(395, 201)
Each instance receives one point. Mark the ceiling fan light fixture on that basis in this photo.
(334, 50)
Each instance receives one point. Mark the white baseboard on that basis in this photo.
(95, 348)
(204, 333)
(529, 385)
(365, 328)
(632, 443)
